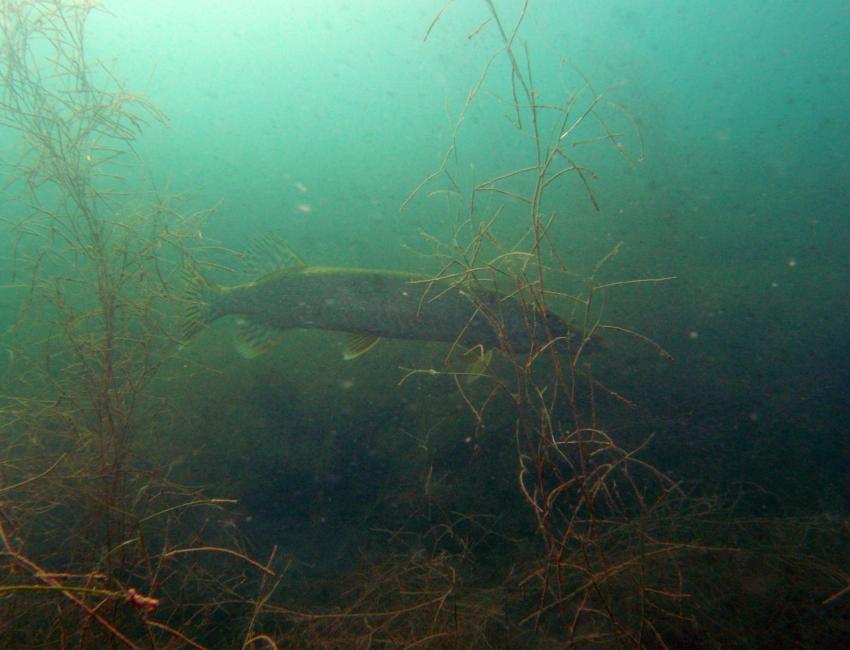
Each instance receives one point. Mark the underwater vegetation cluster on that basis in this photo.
(489, 504)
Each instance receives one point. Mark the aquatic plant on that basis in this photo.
(96, 546)
(607, 570)
(621, 555)
(100, 548)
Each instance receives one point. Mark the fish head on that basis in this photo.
(570, 338)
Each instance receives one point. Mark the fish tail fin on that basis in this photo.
(198, 298)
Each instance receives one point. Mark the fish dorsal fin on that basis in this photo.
(253, 339)
(358, 345)
(268, 254)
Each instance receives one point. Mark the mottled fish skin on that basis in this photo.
(388, 304)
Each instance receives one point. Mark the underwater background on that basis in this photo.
(316, 121)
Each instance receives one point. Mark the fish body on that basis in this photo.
(371, 304)
(386, 304)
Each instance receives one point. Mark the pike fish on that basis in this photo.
(369, 305)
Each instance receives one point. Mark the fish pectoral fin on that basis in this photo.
(253, 339)
(358, 345)
(477, 362)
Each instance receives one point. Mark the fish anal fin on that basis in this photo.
(358, 345)
(253, 339)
